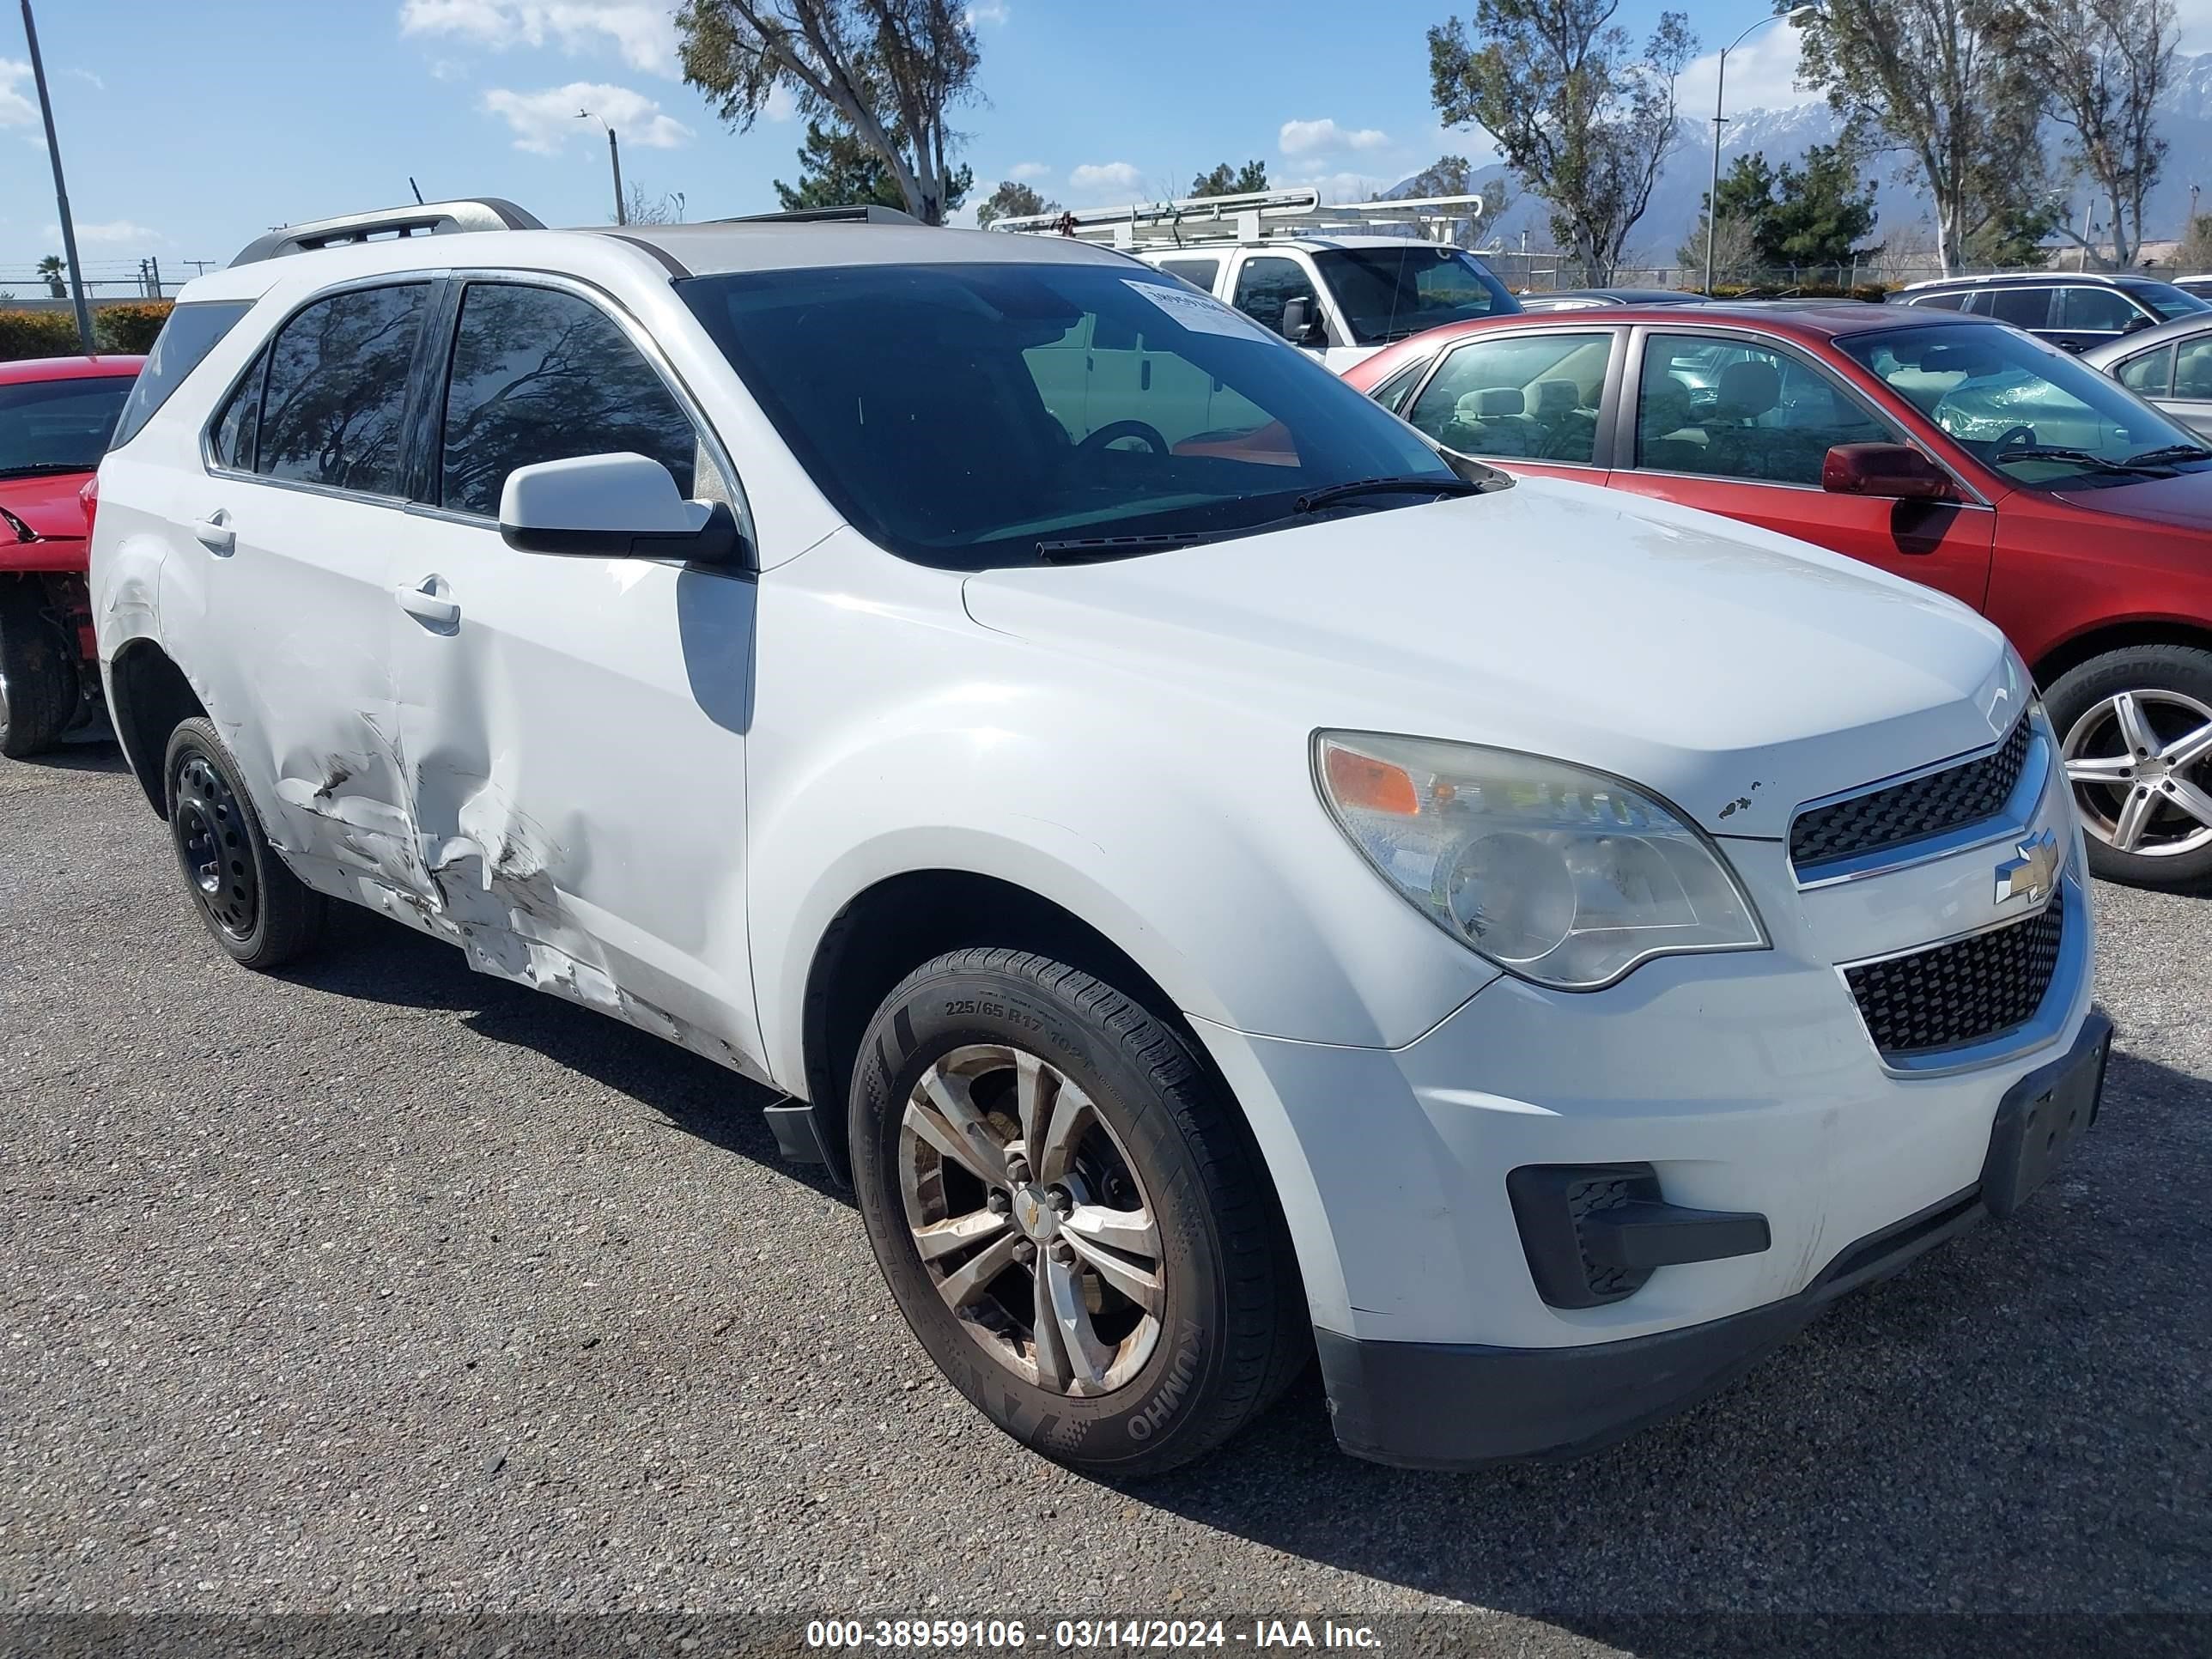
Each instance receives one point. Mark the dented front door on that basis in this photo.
(573, 730)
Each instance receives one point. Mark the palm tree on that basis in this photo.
(49, 272)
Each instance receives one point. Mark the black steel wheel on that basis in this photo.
(258, 911)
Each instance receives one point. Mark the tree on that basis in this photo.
(1252, 176)
(1582, 122)
(2107, 63)
(51, 269)
(1012, 200)
(1937, 77)
(2195, 253)
(1451, 175)
(837, 169)
(1823, 210)
(639, 209)
(1747, 202)
(885, 70)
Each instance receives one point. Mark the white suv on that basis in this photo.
(1221, 883)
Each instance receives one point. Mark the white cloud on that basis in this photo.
(644, 34)
(1104, 181)
(780, 104)
(545, 121)
(86, 75)
(444, 68)
(1324, 135)
(1762, 74)
(15, 110)
(990, 11)
(1028, 170)
(116, 232)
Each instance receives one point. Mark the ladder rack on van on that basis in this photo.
(415, 219)
(1251, 216)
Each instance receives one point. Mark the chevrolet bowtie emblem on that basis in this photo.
(2031, 871)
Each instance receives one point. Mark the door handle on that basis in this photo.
(431, 603)
(216, 533)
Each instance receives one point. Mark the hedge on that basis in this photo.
(53, 333)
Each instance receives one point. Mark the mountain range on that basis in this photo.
(1906, 216)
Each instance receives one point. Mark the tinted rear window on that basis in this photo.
(190, 333)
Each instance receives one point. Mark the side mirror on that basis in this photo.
(612, 506)
(2136, 324)
(1299, 324)
(1896, 471)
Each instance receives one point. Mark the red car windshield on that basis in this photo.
(58, 426)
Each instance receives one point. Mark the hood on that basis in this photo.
(1737, 672)
(49, 505)
(2183, 501)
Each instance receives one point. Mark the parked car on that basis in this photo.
(2074, 311)
(2201, 286)
(1593, 299)
(1219, 880)
(1344, 297)
(56, 413)
(2169, 366)
(1949, 449)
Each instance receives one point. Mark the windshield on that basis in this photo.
(2166, 299)
(2012, 402)
(1387, 293)
(58, 426)
(960, 415)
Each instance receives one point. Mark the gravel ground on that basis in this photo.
(382, 1284)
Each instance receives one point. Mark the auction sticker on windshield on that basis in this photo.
(1199, 312)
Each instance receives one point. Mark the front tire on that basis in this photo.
(2135, 726)
(38, 672)
(258, 911)
(1071, 1218)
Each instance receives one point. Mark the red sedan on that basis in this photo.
(1949, 449)
(56, 415)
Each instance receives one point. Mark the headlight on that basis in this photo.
(1561, 875)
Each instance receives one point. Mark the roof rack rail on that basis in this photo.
(415, 219)
(2109, 277)
(867, 214)
(1251, 216)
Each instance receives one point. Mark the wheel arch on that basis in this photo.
(893, 926)
(149, 696)
(2092, 642)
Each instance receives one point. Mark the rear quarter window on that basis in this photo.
(193, 331)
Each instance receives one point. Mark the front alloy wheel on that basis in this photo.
(2140, 764)
(1029, 1220)
(1070, 1213)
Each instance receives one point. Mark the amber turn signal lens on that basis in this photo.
(1358, 779)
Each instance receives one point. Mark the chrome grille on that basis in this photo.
(1912, 811)
(1968, 991)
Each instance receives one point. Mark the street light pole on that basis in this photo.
(61, 193)
(613, 159)
(1797, 17)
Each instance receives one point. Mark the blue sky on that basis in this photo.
(190, 128)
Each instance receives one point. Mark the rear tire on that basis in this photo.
(38, 672)
(2135, 726)
(258, 911)
(1076, 1119)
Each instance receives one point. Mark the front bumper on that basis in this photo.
(1747, 1083)
(1428, 1404)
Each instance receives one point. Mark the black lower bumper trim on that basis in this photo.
(1449, 1405)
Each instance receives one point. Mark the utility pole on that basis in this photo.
(614, 160)
(61, 193)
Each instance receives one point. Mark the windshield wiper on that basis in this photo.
(2080, 457)
(2170, 452)
(1077, 549)
(1316, 498)
(41, 469)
